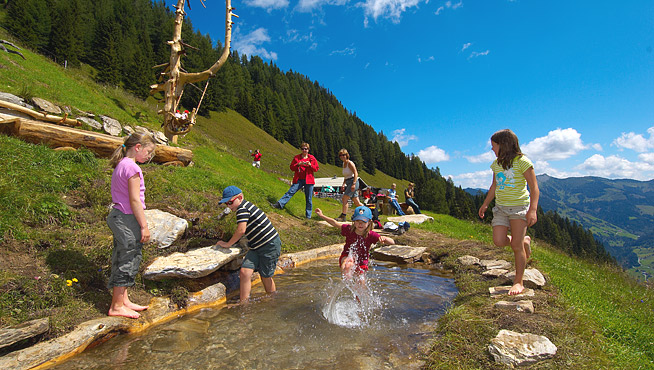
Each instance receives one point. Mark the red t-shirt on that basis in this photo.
(359, 245)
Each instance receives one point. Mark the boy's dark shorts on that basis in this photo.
(264, 259)
(126, 255)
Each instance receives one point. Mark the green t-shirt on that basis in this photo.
(510, 185)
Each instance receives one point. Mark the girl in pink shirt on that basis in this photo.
(127, 220)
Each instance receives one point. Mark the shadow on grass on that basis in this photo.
(74, 264)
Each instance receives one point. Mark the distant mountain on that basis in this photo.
(475, 191)
(618, 212)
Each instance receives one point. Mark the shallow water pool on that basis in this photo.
(315, 321)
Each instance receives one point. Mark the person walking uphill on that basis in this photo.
(127, 220)
(303, 165)
(515, 207)
(263, 240)
(350, 183)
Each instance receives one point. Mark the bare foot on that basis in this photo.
(517, 288)
(135, 307)
(125, 312)
(527, 246)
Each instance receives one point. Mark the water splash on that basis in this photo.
(350, 302)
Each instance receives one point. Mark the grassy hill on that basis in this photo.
(52, 229)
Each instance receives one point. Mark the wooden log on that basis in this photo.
(102, 145)
(41, 116)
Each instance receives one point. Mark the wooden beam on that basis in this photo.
(102, 145)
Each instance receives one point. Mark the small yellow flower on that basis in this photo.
(75, 280)
(69, 282)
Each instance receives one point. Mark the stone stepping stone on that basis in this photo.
(192, 264)
(495, 264)
(531, 279)
(398, 253)
(91, 122)
(496, 273)
(165, 228)
(501, 291)
(414, 219)
(468, 260)
(526, 306)
(517, 349)
(29, 329)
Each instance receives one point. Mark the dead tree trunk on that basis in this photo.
(177, 79)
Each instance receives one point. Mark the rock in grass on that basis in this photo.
(526, 306)
(517, 349)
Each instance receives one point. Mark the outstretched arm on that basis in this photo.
(329, 220)
(386, 240)
(489, 197)
(241, 227)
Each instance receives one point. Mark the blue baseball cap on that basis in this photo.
(362, 213)
(229, 193)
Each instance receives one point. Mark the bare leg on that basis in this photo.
(356, 202)
(245, 284)
(527, 245)
(269, 284)
(344, 199)
(518, 230)
(118, 307)
(347, 267)
(131, 305)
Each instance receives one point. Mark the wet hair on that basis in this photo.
(509, 147)
(344, 151)
(139, 137)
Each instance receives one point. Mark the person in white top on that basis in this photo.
(350, 183)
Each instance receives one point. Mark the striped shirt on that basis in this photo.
(511, 185)
(259, 230)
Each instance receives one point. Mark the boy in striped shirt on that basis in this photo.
(263, 240)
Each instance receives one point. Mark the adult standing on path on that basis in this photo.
(303, 165)
(350, 184)
(408, 196)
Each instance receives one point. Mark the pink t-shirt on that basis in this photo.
(359, 245)
(125, 169)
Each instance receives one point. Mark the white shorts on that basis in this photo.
(502, 214)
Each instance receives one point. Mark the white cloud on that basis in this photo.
(294, 35)
(465, 46)
(647, 157)
(251, 44)
(448, 5)
(543, 167)
(486, 157)
(346, 51)
(401, 138)
(430, 59)
(613, 167)
(635, 142)
(310, 5)
(433, 154)
(267, 4)
(390, 9)
(475, 54)
(475, 180)
(557, 145)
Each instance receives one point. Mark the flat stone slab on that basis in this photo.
(468, 260)
(46, 106)
(414, 219)
(398, 253)
(502, 291)
(495, 264)
(291, 260)
(192, 264)
(496, 273)
(91, 122)
(165, 228)
(111, 126)
(526, 306)
(532, 278)
(29, 329)
(517, 349)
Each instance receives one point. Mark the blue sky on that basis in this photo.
(573, 79)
